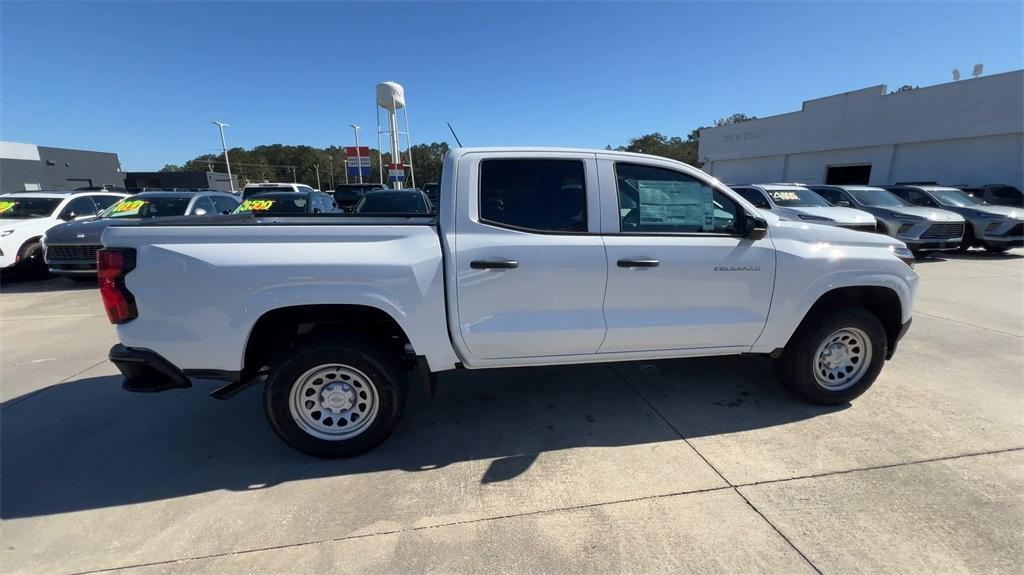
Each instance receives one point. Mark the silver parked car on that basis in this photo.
(922, 229)
(797, 203)
(996, 228)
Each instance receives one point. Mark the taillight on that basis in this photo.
(113, 265)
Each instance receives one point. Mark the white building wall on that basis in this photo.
(960, 132)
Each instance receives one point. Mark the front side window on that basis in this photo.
(665, 201)
(204, 203)
(541, 195)
(224, 204)
(755, 197)
(104, 202)
(78, 207)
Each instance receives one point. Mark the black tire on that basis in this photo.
(968, 238)
(381, 368)
(83, 279)
(796, 367)
(31, 264)
(996, 249)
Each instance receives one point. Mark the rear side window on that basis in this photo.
(540, 195)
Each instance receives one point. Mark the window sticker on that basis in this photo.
(255, 205)
(684, 204)
(4, 206)
(785, 196)
(129, 207)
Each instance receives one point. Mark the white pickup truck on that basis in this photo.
(536, 257)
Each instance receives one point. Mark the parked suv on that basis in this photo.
(996, 194)
(70, 249)
(920, 228)
(996, 228)
(251, 189)
(799, 204)
(288, 203)
(26, 216)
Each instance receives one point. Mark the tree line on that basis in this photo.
(281, 163)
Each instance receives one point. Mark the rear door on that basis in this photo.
(680, 274)
(530, 265)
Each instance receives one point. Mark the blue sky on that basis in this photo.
(145, 79)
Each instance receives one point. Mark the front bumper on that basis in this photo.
(146, 371)
(930, 245)
(903, 331)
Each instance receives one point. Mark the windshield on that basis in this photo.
(392, 203)
(27, 207)
(797, 198)
(956, 198)
(151, 207)
(878, 198)
(273, 205)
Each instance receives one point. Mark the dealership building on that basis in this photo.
(30, 167)
(964, 132)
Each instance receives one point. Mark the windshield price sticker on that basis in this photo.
(256, 205)
(4, 206)
(785, 196)
(129, 207)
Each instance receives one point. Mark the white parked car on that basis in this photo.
(536, 257)
(26, 216)
(798, 204)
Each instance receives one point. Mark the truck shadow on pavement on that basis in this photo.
(86, 444)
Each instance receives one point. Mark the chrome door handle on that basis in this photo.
(639, 263)
(493, 264)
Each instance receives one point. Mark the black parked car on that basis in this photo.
(288, 204)
(996, 194)
(70, 249)
(348, 195)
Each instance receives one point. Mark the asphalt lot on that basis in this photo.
(676, 466)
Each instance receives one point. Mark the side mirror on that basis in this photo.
(68, 216)
(843, 204)
(199, 212)
(754, 228)
(226, 212)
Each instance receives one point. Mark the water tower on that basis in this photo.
(391, 99)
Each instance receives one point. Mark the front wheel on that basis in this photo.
(968, 239)
(30, 262)
(834, 357)
(336, 399)
(996, 249)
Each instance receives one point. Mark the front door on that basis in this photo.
(680, 276)
(530, 262)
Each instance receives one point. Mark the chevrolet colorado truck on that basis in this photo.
(536, 257)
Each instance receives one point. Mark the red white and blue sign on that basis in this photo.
(396, 173)
(358, 161)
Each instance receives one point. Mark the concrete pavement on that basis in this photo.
(690, 465)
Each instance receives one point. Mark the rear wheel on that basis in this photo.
(336, 399)
(834, 357)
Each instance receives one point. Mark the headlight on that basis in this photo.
(906, 256)
(905, 217)
(6, 233)
(813, 218)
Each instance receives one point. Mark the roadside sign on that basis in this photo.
(396, 173)
(358, 160)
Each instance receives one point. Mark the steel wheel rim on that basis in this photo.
(334, 401)
(842, 359)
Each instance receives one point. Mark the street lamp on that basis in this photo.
(224, 146)
(359, 160)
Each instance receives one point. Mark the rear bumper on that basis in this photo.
(146, 371)
(72, 269)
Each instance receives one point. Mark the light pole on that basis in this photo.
(359, 160)
(318, 186)
(231, 181)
